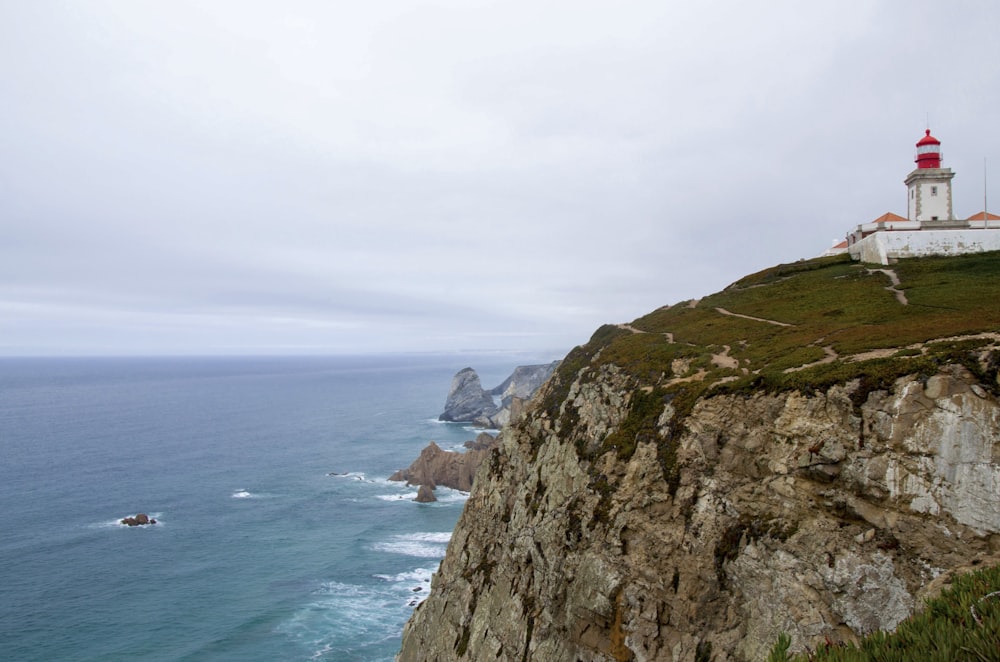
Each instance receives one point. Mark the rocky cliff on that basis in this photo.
(469, 402)
(803, 453)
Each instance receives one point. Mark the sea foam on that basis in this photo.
(339, 611)
(350, 475)
(422, 545)
(405, 496)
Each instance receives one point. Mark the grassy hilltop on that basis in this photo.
(809, 324)
(838, 304)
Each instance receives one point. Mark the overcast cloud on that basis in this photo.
(314, 176)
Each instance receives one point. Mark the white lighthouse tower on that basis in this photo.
(929, 186)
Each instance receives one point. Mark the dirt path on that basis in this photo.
(830, 357)
(628, 327)
(723, 311)
(894, 287)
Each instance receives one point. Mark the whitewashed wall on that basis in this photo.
(884, 246)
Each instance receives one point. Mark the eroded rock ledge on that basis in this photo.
(448, 468)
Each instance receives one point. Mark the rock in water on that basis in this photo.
(467, 400)
(425, 494)
(141, 519)
(449, 468)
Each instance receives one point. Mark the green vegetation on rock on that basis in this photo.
(963, 623)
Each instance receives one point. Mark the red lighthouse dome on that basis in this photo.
(928, 151)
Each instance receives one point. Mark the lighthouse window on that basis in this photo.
(934, 190)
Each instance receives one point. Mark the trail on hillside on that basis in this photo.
(628, 327)
(723, 311)
(831, 356)
(894, 287)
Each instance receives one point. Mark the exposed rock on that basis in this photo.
(425, 494)
(825, 515)
(466, 399)
(449, 468)
(483, 441)
(523, 382)
(468, 402)
(141, 519)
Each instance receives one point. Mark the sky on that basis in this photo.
(327, 177)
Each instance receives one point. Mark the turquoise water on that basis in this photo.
(258, 553)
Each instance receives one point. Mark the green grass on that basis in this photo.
(827, 303)
(963, 623)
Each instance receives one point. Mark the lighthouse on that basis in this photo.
(930, 226)
(928, 188)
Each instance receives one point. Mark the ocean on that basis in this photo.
(278, 536)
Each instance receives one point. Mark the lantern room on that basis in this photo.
(928, 151)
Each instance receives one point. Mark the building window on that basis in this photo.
(913, 192)
(934, 190)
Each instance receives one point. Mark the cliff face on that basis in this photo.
(816, 515)
(811, 451)
(523, 382)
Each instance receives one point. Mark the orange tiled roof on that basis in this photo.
(889, 217)
(983, 216)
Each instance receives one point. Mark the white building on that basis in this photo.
(930, 226)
